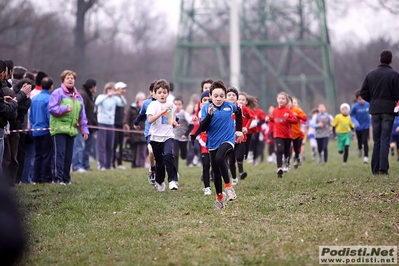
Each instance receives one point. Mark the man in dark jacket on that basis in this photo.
(10, 160)
(82, 149)
(8, 107)
(381, 89)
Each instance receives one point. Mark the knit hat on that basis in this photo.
(40, 75)
(120, 85)
(232, 89)
(205, 94)
(344, 105)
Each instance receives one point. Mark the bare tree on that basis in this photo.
(83, 6)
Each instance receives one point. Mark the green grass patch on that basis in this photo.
(117, 218)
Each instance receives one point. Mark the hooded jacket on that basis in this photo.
(62, 121)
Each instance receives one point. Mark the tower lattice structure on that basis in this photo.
(284, 44)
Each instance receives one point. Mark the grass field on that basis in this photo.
(117, 218)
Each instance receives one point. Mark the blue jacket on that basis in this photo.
(395, 125)
(361, 113)
(39, 115)
(142, 115)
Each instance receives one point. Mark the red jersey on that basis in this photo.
(270, 123)
(259, 116)
(283, 117)
(247, 117)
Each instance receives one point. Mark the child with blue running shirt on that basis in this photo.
(395, 136)
(216, 120)
(142, 116)
(360, 111)
(162, 117)
(343, 126)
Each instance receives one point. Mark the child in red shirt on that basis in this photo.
(239, 147)
(282, 117)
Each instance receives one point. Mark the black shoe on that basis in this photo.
(243, 175)
(280, 173)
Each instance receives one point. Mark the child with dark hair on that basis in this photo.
(161, 115)
(206, 163)
(143, 116)
(239, 147)
(38, 81)
(182, 132)
(221, 137)
(360, 111)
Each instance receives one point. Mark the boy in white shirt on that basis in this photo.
(161, 115)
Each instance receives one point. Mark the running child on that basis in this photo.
(161, 116)
(221, 136)
(282, 117)
(343, 126)
(239, 148)
(142, 116)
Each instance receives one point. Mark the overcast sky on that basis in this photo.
(360, 24)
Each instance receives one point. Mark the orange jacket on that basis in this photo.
(296, 127)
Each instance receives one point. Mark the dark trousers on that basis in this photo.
(382, 129)
(118, 146)
(248, 144)
(89, 143)
(237, 156)
(179, 149)
(63, 149)
(27, 173)
(43, 152)
(363, 140)
(193, 150)
(254, 145)
(10, 161)
(297, 144)
(21, 156)
(283, 147)
(105, 146)
(206, 166)
(219, 166)
(163, 153)
(322, 146)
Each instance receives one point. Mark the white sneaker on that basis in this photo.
(366, 159)
(195, 160)
(173, 185)
(62, 183)
(231, 194)
(234, 181)
(207, 191)
(220, 204)
(80, 170)
(121, 167)
(160, 187)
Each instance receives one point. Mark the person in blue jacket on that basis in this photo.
(360, 111)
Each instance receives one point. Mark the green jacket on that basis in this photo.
(62, 121)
